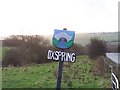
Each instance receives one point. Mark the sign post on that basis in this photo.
(60, 73)
(63, 40)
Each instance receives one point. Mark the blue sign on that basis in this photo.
(63, 39)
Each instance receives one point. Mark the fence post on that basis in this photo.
(114, 80)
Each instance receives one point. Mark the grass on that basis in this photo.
(3, 51)
(31, 76)
(75, 75)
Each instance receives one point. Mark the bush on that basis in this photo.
(32, 49)
(12, 41)
(25, 50)
(11, 58)
(96, 48)
(78, 49)
(100, 66)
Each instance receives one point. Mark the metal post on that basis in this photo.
(111, 68)
(60, 72)
(59, 75)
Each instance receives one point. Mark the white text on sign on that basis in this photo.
(62, 56)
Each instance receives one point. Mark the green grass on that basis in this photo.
(75, 75)
(31, 76)
(3, 51)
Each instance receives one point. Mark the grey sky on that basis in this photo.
(43, 16)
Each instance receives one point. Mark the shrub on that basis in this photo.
(11, 58)
(32, 49)
(12, 41)
(100, 66)
(96, 48)
(78, 49)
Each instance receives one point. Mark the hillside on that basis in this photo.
(84, 38)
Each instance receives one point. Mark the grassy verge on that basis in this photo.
(75, 75)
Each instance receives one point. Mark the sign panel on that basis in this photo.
(63, 39)
(62, 56)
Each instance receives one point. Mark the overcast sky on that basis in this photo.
(43, 16)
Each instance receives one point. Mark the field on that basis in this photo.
(81, 74)
(75, 75)
(84, 38)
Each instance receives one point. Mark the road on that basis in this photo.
(115, 57)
